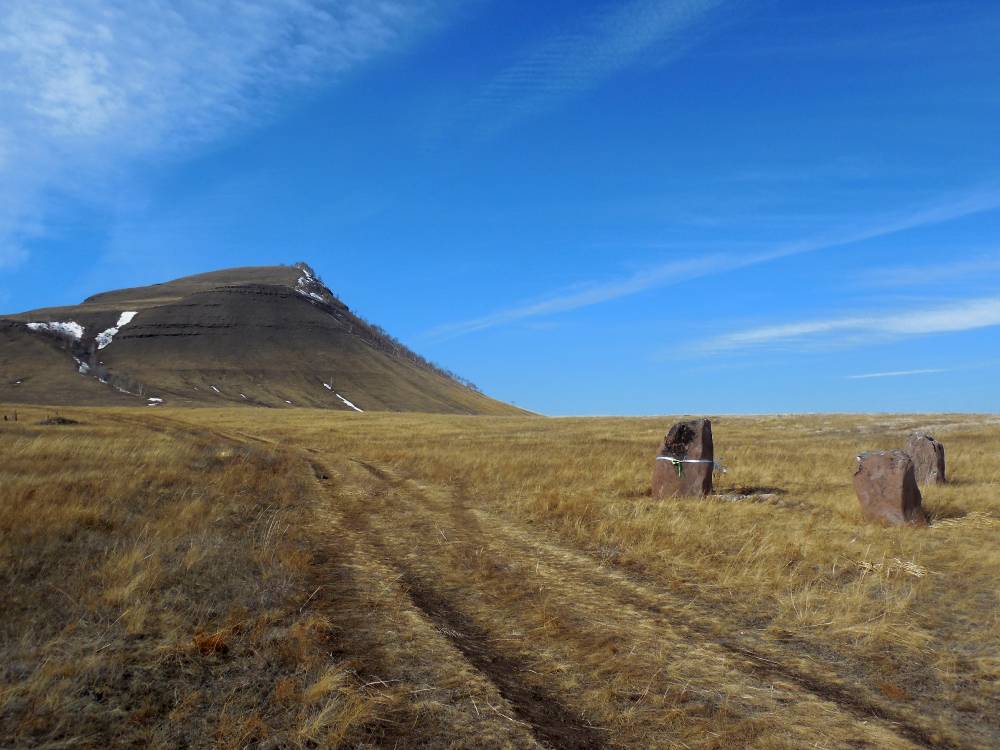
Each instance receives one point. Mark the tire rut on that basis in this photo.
(756, 663)
(553, 724)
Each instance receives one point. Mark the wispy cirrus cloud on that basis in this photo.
(899, 373)
(584, 295)
(857, 329)
(933, 273)
(586, 53)
(680, 271)
(89, 87)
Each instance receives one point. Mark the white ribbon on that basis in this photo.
(677, 461)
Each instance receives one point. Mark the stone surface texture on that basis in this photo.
(887, 489)
(690, 440)
(928, 458)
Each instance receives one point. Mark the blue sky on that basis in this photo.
(637, 207)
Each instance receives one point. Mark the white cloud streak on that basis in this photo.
(897, 374)
(586, 54)
(584, 295)
(960, 316)
(88, 87)
(677, 272)
(932, 274)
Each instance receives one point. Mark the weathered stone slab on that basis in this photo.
(928, 458)
(686, 441)
(887, 488)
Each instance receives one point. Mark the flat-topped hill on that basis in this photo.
(266, 336)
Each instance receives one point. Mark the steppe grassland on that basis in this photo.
(158, 591)
(500, 517)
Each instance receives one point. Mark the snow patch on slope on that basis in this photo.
(349, 403)
(70, 329)
(308, 285)
(104, 337)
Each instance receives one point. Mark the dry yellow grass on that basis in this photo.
(490, 582)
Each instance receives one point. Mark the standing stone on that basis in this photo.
(887, 488)
(928, 458)
(686, 440)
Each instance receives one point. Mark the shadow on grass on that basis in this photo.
(935, 514)
(750, 490)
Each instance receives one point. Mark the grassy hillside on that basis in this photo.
(263, 336)
(432, 581)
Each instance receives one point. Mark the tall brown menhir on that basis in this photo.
(928, 458)
(690, 441)
(887, 489)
